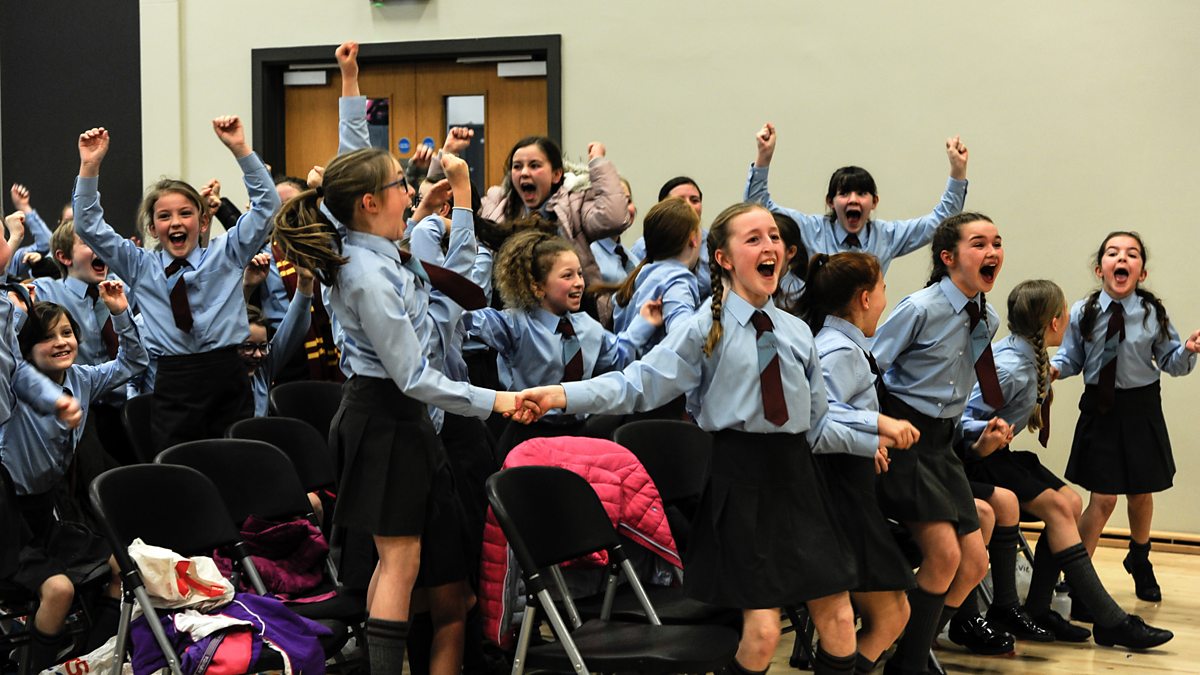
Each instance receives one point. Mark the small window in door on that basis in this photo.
(379, 122)
(469, 111)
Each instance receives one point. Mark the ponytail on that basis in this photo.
(718, 239)
(308, 238)
(945, 238)
(1032, 305)
(833, 284)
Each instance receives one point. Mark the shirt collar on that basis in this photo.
(1128, 303)
(608, 245)
(192, 258)
(841, 233)
(741, 310)
(76, 286)
(375, 243)
(547, 319)
(955, 296)
(1019, 345)
(849, 330)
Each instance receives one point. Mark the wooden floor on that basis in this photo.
(1179, 575)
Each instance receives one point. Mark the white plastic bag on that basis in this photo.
(99, 661)
(174, 581)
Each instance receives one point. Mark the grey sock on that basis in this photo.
(828, 664)
(925, 609)
(1081, 575)
(385, 646)
(1043, 579)
(1002, 551)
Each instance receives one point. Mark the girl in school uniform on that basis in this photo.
(543, 337)
(929, 351)
(1120, 339)
(846, 300)
(850, 199)
(672, 233)
(390, 454)
(764, 536)
(791, 284)
(1037, 319)
(686, 189)
(190, 296)
(613, 260)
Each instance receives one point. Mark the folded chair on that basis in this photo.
(551, 516)
(174, 507)
(255, 478)
(313, 401)
(307, 448)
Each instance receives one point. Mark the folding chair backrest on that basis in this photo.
(550, 515)
(313, 401)
(304, 445)
(675, 453)
(175, 507)
(135, 417)
(252, 477)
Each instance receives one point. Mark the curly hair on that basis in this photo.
(525, 260)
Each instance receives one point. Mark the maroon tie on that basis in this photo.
(1113, 337)
(881, 391)
(853, 240)
(180, 307)
(107, 334)
(985, 365)
(572, 354)
(453, 285)
(769, 378)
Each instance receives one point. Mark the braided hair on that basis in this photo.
(718, 240)
(1032, 305)
(1091, 308)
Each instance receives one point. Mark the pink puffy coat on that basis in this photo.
(626, 491)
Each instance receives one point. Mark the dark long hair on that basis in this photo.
(1091, 309)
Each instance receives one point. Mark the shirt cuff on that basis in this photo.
(578, 397)
(123, 321)
(482, 400)
(250, 163)
(640, 331)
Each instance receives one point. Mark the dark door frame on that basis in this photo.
(269, 65)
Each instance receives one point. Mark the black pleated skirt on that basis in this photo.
(1125, 451)
(1018, 470)
(198, 396)
(396, 479)
(851, 484)
(927, 482)
(763, 535)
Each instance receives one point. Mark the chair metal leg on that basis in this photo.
(568, 603)
(1023, 544)
(640, 592)
(160, 636)
(802, 656)
(937, 665)
(610, 593)
(528, 624)
(560, 632)
(122, 634)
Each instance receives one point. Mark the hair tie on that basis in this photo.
(320, 190)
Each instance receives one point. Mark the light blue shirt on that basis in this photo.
(668, 280)
(37, 227)
(612, 270)
(849, 382)
(1016, 368)
(91, 315)
(18, 379)
(387, 329)
(729, 394)
(273, 296)
(290, 336)
(1141, 356)
(532, 348)
(703, 274)
(925, 350)
(885, 239)
(37, 448)
(213, 275)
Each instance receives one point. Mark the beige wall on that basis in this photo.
(1080, 118)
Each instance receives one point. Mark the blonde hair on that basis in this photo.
(524, 260)
(63, 240)
(1032, 305)
(718, 239)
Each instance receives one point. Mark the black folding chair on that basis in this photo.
(136, 502)
(552, 515)
(306, 447)
(313, 401)
(135, 416)
(256, 478)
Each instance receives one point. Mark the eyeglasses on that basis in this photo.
(249, 348)
(399, 181)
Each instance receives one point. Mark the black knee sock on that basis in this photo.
(925, 609)
(948, 613)
(106, 617)
(863, 665)
(46, 650)
(1002, 551)
(1043, 580)
(418, 646)
(1081, 575)
(385, 646)
(826, 663)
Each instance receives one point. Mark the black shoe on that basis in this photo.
(979, 637)
(1132, 633)
(1080, 611)
(1144, 583)
(1061, 629)
(1014, 620)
